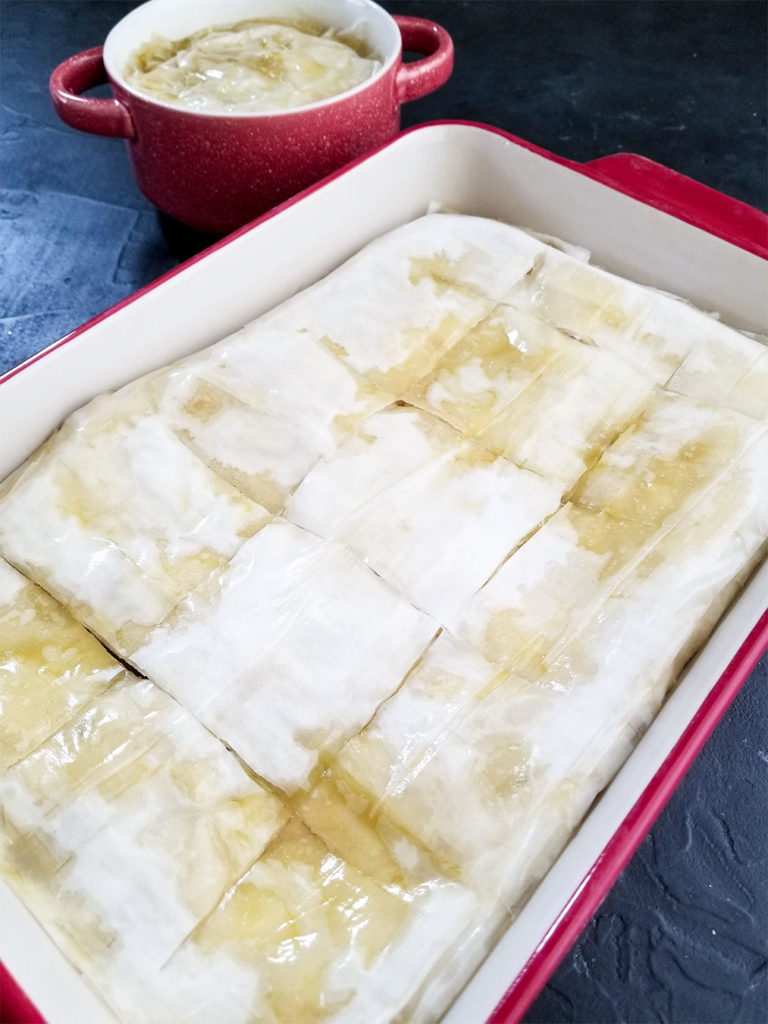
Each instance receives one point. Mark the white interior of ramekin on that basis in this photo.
(176, 19)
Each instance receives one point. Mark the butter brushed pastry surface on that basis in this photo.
(402, 570)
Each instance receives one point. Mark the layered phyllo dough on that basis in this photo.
(673, 512)
(288, 651)
(409, 564)
(306, 936)
(534, 394)
(728, 369)
(406, 299)
(465, 756)
(430, 512)
(50, 666)
(262, 406)
(118, 519)
(126, 828)
(663, 336)
(670, 460)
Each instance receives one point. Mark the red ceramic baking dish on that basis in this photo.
(638, 219)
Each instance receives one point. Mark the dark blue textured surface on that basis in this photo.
(682, 937)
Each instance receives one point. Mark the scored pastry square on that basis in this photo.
(478, 378)
(526, 390)
(462, 758)
(392, 310)
(287, 651)
(677, 587)
(50, 666)
(726, 369)
(608, 311)
(656, 332)
(125, 828)
(306, 936)
(430, 512)
(667, 460)
(262, 406)
(708, 522)
(562, 421)
(544, 592)
(118, 519)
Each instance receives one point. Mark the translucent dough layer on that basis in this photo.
(559, 425)
(532, 393)
(665, 461)
(460, 760)
(488, 772)
(709, 523)
(49, 666)
(432, 514)
(126, 828)
(655, 332)
(326, 942)
(474, 382)
(288, 651)
(404, 300)
(118, 519)
(262, 406)
(728, 369)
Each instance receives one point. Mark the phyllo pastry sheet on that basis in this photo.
(125, 828)
(410, 563)
(306, 936)
(262, 406)
(392, 310)
(464, 757)
(665, 463)
(732, 373)
(530, 392)
(676, 508)
(430, 512)
(666, 337)
(287, 651)
(50, 666)
(118, 519)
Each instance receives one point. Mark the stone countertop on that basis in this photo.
(682, 936)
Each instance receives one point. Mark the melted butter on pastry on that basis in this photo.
(427, 282)
(560, 424)
(658, 333)
(49, 666)
(118, 519)
(263, 406)
(327, 942)
(676, 448)
(432, 514)
(549, 591)
(127, 827)
(729, 369)
(477, 379)
(287, 651)
(459, 756)
(530, 392)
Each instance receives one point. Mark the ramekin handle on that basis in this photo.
(75, 76)
(420, 77)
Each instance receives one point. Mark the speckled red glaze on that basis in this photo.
(217, 172)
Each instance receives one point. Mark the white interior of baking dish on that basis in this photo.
(472, 171)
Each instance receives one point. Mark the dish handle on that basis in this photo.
(419, 77)
(99, 117)
(684, 198)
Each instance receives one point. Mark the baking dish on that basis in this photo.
(475, 170)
